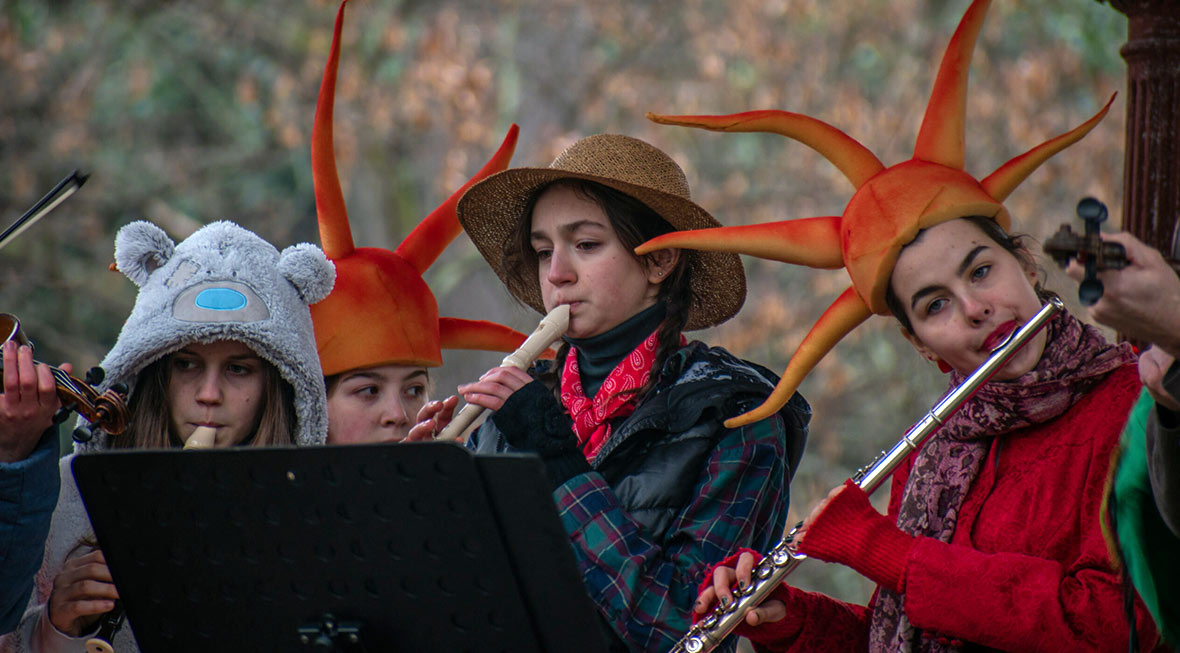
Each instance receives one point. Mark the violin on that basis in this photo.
(1094, 253)
(1089, 249)
(106, 410)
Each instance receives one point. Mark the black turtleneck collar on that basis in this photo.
(599, 355)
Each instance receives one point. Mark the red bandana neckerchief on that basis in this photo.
(612, 399)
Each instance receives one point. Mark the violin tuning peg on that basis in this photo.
(1090, 291)
(120, 388)
(83, 434)
(95, 375)
(61, 415)
(1092, 210)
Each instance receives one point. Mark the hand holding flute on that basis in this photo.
(494, 387)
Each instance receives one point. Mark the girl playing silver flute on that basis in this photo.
(992, 539)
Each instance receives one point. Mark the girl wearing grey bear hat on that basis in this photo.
(220, 336)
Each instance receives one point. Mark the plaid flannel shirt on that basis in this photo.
(644, 580)
(644, 588)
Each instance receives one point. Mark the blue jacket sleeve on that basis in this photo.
(28, 494)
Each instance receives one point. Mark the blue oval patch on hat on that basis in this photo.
(220, 299)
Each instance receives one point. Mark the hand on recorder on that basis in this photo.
(495, 387)
(82, 592)
(433, 418)
(27, 404)
(1142, 300)
(769, 623)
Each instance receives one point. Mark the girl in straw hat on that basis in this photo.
(649, 484)
(992, 539)
(378, 333)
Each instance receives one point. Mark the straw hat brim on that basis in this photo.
(491, 209)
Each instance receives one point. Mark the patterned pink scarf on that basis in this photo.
(612, 399)
(1075, 360)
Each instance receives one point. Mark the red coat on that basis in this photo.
(1027, 568)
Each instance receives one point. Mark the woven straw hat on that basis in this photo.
(491, 210)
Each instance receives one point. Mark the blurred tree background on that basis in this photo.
(185, 113)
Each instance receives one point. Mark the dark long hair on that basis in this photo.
(1011, 243)
(149, 426)
(634, 223)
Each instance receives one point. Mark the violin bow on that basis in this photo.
(60, 192)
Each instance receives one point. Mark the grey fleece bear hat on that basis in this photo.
(224, 283)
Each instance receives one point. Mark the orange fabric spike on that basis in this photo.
(942, 136)
(890, 205)
(814, 242)
(424, 244)
(844, 315)
(335, 233)
(853, 159)
(480, 334)
(1007, 177)
(381, 311)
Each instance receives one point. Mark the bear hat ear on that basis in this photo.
(309, 270)
(141, 248)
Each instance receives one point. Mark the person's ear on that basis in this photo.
(660, 264)
(924, 351)
(1030, 271)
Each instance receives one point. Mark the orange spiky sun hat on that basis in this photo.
(381, 311)
(890, 206)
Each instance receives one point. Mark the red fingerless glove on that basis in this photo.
(851, 532)
(773, 634)
(707, 581)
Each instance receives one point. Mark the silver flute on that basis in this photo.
(710, 631)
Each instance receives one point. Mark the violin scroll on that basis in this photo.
(1089, 249)
(106, 410)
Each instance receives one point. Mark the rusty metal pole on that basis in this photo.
(1151, 167)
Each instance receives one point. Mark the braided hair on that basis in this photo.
(634, 223)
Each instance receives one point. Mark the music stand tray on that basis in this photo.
(412, 547)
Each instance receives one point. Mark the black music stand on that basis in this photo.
(413, 547)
